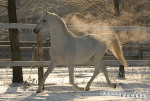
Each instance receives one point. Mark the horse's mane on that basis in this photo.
(61, 22)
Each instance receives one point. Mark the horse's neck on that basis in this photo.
(59, 36)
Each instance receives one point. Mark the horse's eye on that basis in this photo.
(44, 20)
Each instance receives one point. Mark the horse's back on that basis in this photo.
(87, 42)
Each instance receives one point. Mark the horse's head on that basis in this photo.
(46, 23)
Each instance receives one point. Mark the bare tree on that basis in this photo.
(14, 42)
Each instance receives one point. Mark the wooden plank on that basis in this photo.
(5, 59)
(20, 63)
(17, 25)
(125, 48)
(23, 48)
(116, 28)
(46, 63)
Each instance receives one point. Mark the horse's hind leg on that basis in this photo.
(49, 70)
(71, 78)
(99, 66)
(96, 72)
(104, 70)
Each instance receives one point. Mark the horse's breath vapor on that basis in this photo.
(88, 25)
(69, 49)
(85, 24)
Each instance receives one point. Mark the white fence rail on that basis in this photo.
(46, 63)
(17, 25)
(116, 28)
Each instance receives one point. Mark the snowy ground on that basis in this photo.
(136, 85)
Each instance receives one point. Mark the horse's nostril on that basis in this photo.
(35, 31)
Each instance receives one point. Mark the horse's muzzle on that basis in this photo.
(35, 31)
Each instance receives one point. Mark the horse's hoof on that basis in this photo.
(81, 89)
(38, 91)
(87, 89)
(114, 85)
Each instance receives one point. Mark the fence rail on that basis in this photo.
(23, 48)
(46, 63)
(115, 28)
(26, 51)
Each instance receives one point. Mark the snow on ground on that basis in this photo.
(135, 86)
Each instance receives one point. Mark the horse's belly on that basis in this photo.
(81, 61)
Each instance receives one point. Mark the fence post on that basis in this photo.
(40, 56)
(48, 42)
(140, 52)
(129, 52)
(33, 53)
(121, 71)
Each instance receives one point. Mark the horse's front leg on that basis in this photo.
(71, 78)
(49, 70)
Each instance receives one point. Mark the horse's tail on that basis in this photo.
(116, 49)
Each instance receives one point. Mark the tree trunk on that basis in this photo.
(116, 7)
(14, 42)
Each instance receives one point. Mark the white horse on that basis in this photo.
(69, 49)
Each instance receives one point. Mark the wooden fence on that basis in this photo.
(26, 49)
(41, 63)
(45, 48)
(27, 46)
